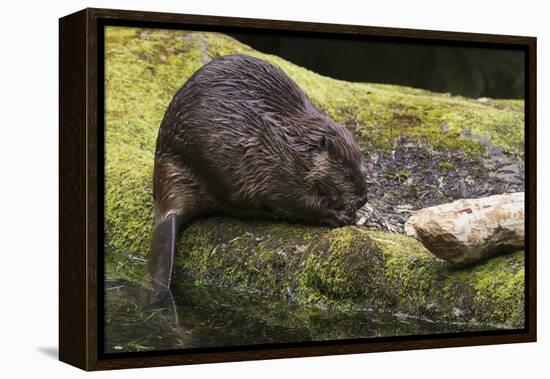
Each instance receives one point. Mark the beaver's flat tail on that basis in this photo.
(163, 251)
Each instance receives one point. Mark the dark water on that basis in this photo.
(203, 316)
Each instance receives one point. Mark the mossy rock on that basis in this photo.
(336, 268)
(351, 267)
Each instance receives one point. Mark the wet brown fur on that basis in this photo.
(241, 138)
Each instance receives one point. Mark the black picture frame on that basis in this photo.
(81, 189)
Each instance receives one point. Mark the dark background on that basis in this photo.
(466, 71)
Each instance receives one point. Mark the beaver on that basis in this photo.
(240, 138)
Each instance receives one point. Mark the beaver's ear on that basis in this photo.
(320, 145)
(323, 143)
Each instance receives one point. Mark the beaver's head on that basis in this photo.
(338, 173)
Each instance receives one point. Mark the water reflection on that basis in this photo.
(202, 316)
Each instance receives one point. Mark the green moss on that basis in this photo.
(500, 288)
(403, 174)
(128, 211)
(445, 166)
(420, 284)
(351, 267)
(247, 254)
(340, 267)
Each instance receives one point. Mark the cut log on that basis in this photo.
(466, 231)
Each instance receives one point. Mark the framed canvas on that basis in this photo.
(239, 189)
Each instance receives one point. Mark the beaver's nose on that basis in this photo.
(360, 201)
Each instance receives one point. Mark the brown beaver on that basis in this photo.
(241, 138)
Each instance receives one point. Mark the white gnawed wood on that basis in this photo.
(468, 230)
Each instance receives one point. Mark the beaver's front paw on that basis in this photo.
(339, 218)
